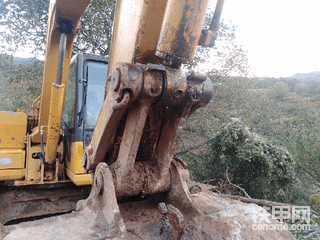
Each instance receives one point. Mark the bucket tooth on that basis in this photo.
(103, 204)
(178, 194)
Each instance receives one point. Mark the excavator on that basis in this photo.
(102, 136)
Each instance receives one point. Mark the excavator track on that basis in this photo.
(20, 203)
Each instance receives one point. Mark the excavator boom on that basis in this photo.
(63, 18)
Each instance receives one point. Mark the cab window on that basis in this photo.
(96, 75)
(70, 101)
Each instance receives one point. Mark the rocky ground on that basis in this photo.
(220, 218)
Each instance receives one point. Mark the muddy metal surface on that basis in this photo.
(32, 201)
(220, 218)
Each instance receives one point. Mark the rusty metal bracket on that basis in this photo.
(139, 127)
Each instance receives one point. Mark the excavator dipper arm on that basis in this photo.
(148, 99)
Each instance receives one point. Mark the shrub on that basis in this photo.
(261, 168)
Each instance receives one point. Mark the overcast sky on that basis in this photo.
(282, 36)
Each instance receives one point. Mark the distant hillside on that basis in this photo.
(9, 64)
(302, 77)
(305, 77)
(15, 60)
(19, 60)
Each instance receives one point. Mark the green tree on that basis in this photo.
(314, 87)
(279, 90)
(233, 97)
(264, 83)
(26, 24)
(292, 84)
(226, 58)
(301, 89)
(21, 85)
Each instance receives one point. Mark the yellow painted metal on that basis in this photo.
(136, 30)
(79, 179)
(181, 29)
(12, 158)
(33, 173)
(29, 183)
(59, 10)
(55, 117)
(11, 174)
(75, 163)
(13, 128)
(33, 167)
(74, 168)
